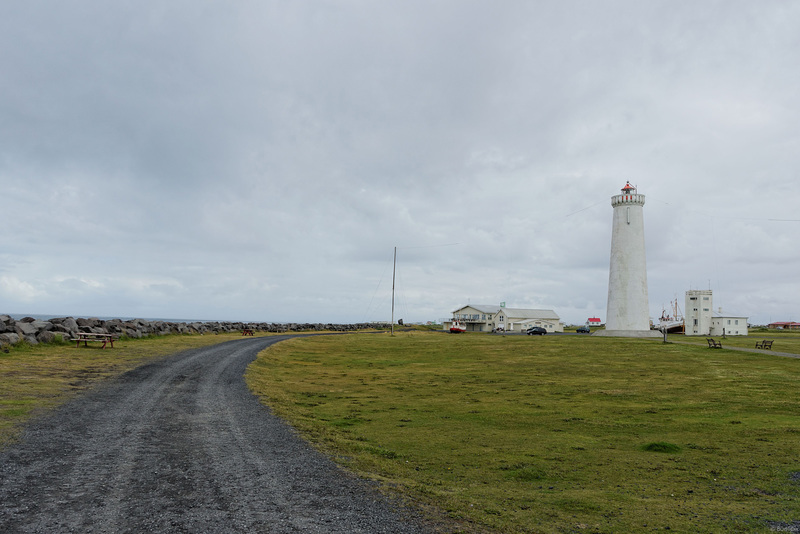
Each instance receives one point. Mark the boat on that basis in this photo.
(457, 327)
(671, 321)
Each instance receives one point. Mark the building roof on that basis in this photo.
(512, 313)
(483, 308)
(538, 321)
(719, 315)
(522, 313)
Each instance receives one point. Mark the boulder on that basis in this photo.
(42, 326)
(68, 324)
(90, 322)
(133, 333)
(33, 330)
(26, 329)
(9, 338)
(46, 336)
(114, 327)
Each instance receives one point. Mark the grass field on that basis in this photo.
(782, 341)
(38, 377)
(554, 433)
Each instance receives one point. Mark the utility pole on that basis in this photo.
(394, 269)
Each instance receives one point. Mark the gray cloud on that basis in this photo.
(260, 160)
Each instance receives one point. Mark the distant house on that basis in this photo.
(594, 321)
(476, 317)
(486, 318)
(519, 320)
(784, 325)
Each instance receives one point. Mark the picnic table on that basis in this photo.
(247, 332)
(86, 337)
(713, 344)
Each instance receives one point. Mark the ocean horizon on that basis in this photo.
(46, 317)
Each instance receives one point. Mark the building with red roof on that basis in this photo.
(784, 325)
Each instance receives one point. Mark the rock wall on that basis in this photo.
(35, 331)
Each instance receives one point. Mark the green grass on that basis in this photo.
(553, 433)
(661, 446)
(783, 341)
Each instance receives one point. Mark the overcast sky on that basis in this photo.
(260, 160)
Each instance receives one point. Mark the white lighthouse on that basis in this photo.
(628, 312)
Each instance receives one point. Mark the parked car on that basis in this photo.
(536, 331)
(583, 329)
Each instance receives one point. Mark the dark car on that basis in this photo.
(583, 329)
(536, 331)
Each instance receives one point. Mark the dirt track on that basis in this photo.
(181, 445)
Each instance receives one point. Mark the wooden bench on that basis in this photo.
(247, 332)
(713, 344)
(86, 337)
(766, 344)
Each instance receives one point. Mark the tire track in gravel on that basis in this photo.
(181, 445)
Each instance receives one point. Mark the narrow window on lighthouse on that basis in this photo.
(628, 215)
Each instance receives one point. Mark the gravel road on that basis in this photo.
(181, 445)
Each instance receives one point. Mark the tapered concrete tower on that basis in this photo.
(628, 312)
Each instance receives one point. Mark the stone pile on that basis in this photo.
(35, 331)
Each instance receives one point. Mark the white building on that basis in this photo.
(475, 317)
(700, 318)
(699, 311)
(728, 325)
(486, 318)
(520, 319)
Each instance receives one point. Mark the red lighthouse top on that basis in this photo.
(628, 197)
